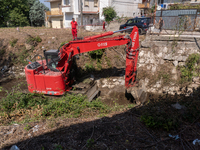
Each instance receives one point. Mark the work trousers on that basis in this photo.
(74, 34)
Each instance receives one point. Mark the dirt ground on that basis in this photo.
(120, 130)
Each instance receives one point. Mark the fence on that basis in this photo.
(186, 20)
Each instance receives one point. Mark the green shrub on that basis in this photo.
(189, 70)
(13, 42)
(183, 6)
(69, 105)
(160, 120)
(72, 106)
(21, 57)
(33, 40)
(109, 13)
(108, 62)
(20, 100)
(165, 77)
(63, 43)
(96, 54)
(89, 67)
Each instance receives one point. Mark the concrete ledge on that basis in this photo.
(93, 28)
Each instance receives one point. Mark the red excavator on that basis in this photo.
(52, 75)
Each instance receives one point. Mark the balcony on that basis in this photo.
(143, 6)
(67, 9)
(54, 13)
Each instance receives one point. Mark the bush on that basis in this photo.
(189, 70)
(13, 42)
(89, 67)
(33, 40)
(63, 43)
(20, 100)
(69, 105)
(96, 54)
(72, 106)
(109, 13)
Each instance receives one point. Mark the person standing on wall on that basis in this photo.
(161, 23)
(74, 28)
(104, 26)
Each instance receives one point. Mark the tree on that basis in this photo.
(31, 2)
(109, 13)
(14, 13)
(17, 18)
(37, 13)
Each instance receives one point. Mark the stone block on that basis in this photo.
(175, 63)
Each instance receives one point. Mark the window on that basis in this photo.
(66, 2)
(87, 3)
(130, 21)
(95, 3)
(138, 20)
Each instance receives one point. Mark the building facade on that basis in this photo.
(62, 11)
(54, 18)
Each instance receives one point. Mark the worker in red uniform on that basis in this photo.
(104, 26)
(74, 29)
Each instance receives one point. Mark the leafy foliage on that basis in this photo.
(190, 70)
(69, 105)
(89, 67)
(34, 39)
(13, 42)
(96, 54)
(17, 18)
(37, 13)
(184, 6)
(16, 13)
(109, 13)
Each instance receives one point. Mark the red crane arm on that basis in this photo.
(97, 42)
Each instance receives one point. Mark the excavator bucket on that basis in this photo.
(139, 93)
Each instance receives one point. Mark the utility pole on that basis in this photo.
(81, 13)
(155, 12)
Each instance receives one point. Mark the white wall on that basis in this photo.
(56, 22)
(67, 19)
(126, 8)
(102, 4)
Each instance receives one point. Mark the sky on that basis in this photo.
(45, 3)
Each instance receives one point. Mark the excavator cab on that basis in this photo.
(52, 59)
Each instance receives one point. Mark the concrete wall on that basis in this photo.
(67, 16)
(126, 8)
(102, 4)
(56, 8)
(94, 28)
(159, 55)
(56, 23)
(67, 20)
(91, 6)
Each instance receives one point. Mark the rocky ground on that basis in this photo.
(121, 129)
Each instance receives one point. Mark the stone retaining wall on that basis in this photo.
(163, 53)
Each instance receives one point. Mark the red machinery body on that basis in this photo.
(53, 78)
